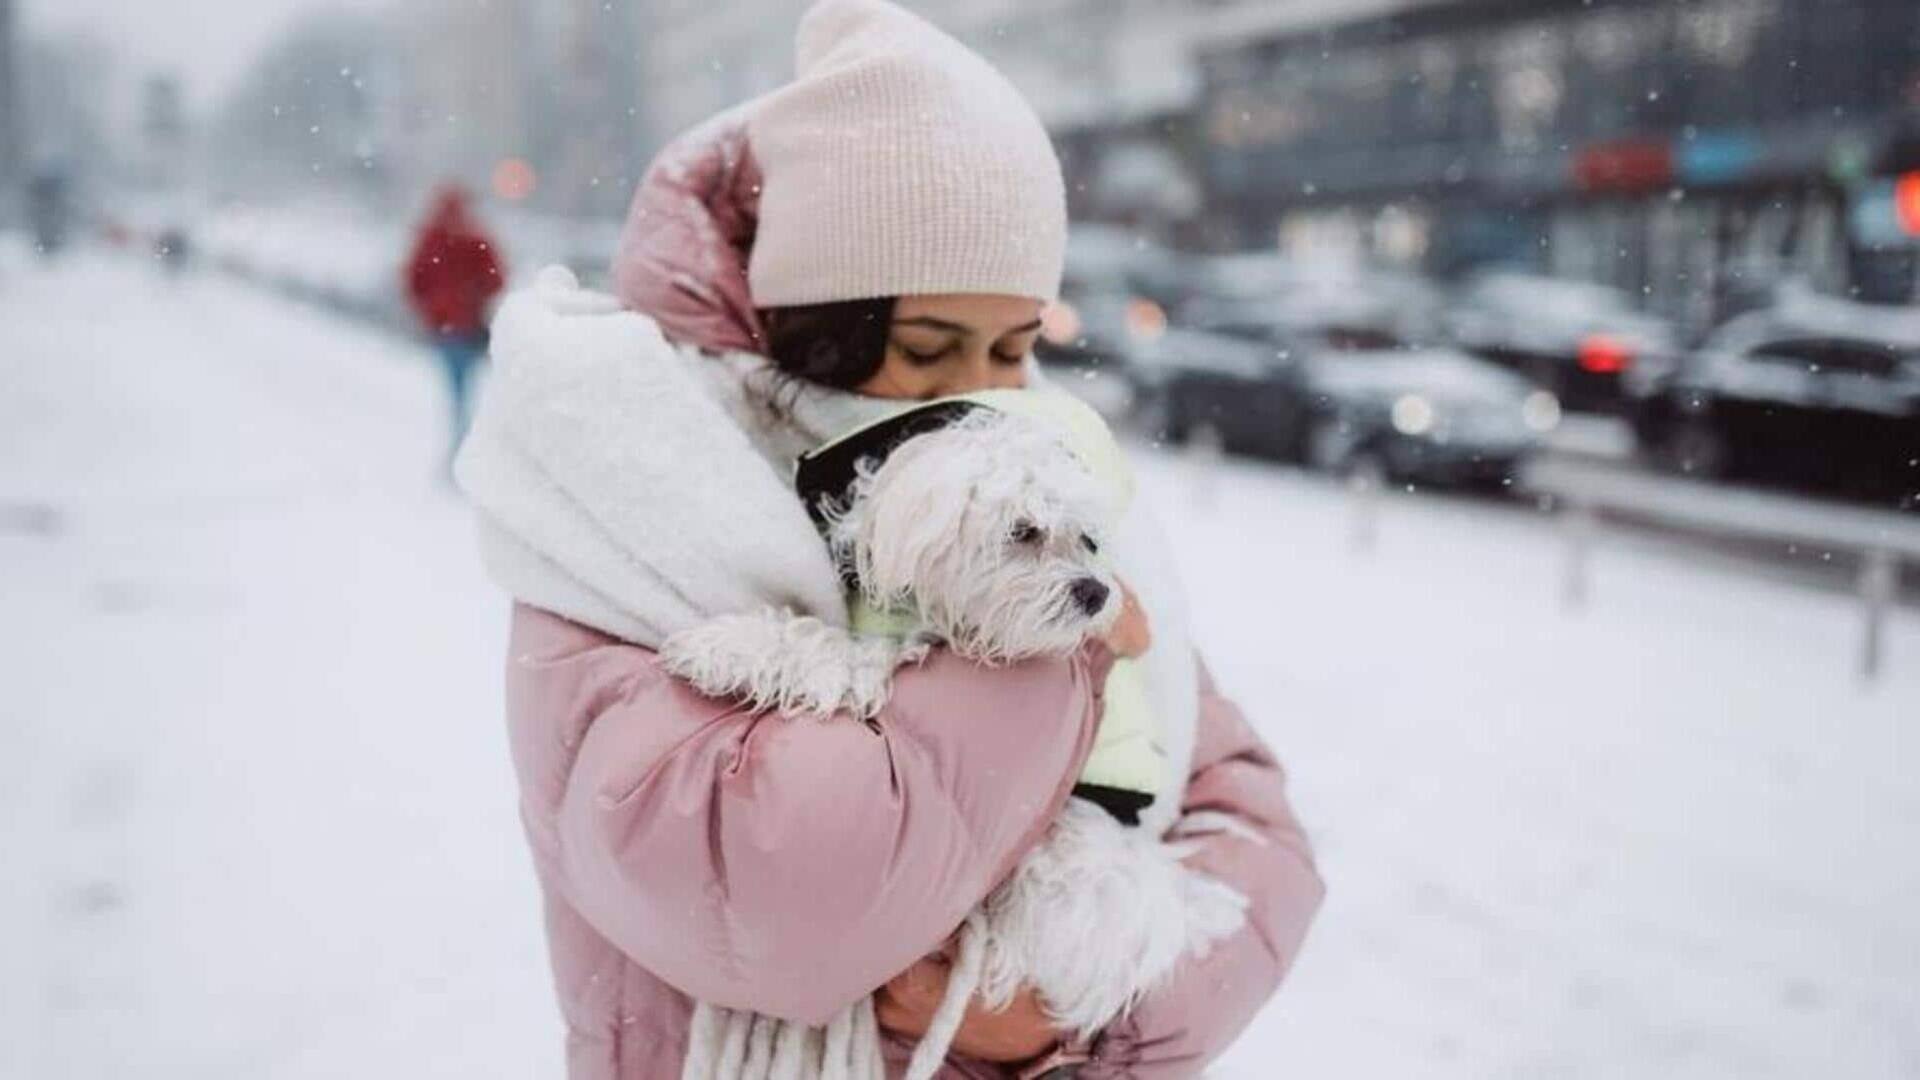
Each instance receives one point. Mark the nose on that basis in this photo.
(1091, 594)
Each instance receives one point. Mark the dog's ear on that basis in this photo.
(843, 519)
(909, 511)
(824, 477)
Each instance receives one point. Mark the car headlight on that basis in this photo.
(1540, 412)
(1413, 415)
(1146, 320)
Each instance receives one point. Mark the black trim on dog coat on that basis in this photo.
(823, 477)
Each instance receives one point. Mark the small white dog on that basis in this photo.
(983, 534)
(982, 531)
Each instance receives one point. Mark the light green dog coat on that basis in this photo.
(1126, 753)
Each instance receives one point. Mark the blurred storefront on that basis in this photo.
(1689, 152)
(1115, 81)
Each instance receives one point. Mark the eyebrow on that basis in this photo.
(959, 328)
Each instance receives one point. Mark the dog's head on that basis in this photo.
(991, 530)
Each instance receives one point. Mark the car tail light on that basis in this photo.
(1604, 355)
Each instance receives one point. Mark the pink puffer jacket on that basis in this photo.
(687, 848)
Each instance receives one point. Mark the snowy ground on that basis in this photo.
(257, 821)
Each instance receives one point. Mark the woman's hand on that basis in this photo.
(1131, 636)
(1019, 1032)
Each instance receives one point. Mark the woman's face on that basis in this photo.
(954, 344)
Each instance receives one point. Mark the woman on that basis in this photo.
(887, 227)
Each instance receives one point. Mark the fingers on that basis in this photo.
(906, 1003)
(1131, 635)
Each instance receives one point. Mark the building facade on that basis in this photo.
(699, 57)
(1116, 81)
(1654, 146)
(539, 100)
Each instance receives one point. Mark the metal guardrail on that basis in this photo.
(1589, 492)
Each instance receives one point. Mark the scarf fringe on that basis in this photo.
(735, 1044)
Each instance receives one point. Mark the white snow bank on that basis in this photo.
(1668, 838)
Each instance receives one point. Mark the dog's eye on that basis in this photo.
(1025, 532)
(1092, 545)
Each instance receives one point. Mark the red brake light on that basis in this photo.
(1603, 355)
(1906, 202)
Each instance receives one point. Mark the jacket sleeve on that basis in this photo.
(1176, 1031)
(791, 866)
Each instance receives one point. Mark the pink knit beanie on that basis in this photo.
(898, 162)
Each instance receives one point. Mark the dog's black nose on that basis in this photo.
(1090, 594)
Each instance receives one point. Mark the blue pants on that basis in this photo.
(460, 354)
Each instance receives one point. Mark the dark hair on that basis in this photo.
(839, 344)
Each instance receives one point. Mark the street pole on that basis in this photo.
(13, 150)
(1581, 523)
(1879, 579)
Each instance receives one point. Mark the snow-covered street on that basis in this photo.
(254, 796)
(258, 822)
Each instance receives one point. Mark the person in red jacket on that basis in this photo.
(454, 273)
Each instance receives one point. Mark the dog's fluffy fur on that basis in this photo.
(795, 664)
(983, 529)
(1098, 915)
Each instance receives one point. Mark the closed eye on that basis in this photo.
(925, 358)
(1092, 545)
(1025, 532)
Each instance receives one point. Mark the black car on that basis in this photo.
(1577, 339)
(1088, 338)
(1821, 394)
(1348, 398)
(1242, 392)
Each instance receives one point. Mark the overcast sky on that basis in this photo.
(207, 42)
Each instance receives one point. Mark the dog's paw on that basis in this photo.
(724, 656)
(777, 661)
(870, 676)
(836, 672)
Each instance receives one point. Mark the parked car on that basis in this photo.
(1574, 338)
(1814, 393)
(1349, 397)
(1088, 337)
(1301, 291)
(1105, 313)
(1129, 260)
(1246, 393)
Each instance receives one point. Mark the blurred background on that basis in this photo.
(1532, 388)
